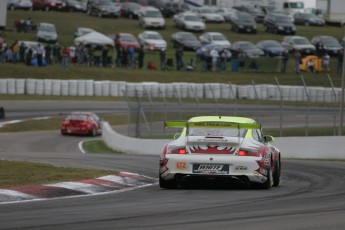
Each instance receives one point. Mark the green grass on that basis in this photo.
(68, 22)
(98, 146)
(18, 173)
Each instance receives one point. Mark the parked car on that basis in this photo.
(227, 13)
(169, 9)
(104, 8)
(130, 9)
(19, 4)
(125, 40)
(279, 24)
(152, 40)
(82, 31)
(48, 5)
(87, 123)
(247, 47)
(214, 38)
(76, 5)
(308, 19)
(300, 43)
(330, 44)
(151, 17)
(257, 14)
(186, 40)
(2, 112)
(208, 14)
(271, 48)
(243, 22)
(189, 21)
(46, 32)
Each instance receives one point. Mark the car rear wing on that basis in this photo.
(211, 124)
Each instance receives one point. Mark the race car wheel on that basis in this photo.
(276, 174)
(267, 184)
(167, 184)
(2, 112)
(94, 131)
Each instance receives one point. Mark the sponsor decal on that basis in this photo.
(211, 169)
(181, 165)
(241, 168)
(212, 149)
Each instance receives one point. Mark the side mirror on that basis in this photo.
(268, 138)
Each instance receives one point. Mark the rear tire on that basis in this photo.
(276, 174)
(94, 131)
(167, 184)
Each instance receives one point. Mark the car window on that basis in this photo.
(216, 132)
(257, 135)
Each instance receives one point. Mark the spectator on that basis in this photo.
(72, 54)
(65, 57)
(48, 53)
(131, 55)
(340, 63)
(179, 58)
(124, 57)
(141, 55)
(57, 53)
(81, 54)
(298, 61)
(225, 56)
(39, 54)
(242, 59)
(319, 49)
(310, 65)
(15, 52)
(214, 55)
(284, 60)
(22, 49)
(105, 52)
(162, 59)
(325, 62)
(28, 56)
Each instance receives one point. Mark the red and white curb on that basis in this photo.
(121, 182)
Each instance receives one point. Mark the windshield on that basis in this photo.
(247, 46)
(127, 39)
(153, 14)
(77, 117)
(154, 36)
(218, 37)
(189, 37)
(246, 19)
(283, 19)
(301, 41)
(192, 18)
(47, 28)
(330, 41)
(216, 132)
(296, 5)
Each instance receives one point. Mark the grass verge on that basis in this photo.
(18, 173)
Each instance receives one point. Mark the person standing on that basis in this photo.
(214, 55)
(131, 55)
(298, 61)
(225, 56)
(162, 59)
(105, 51)
(340, 62)
(285, 59)
(179, 58)
(325, 62)
(65, 57)
(141, 57)
(39, 54)
(48, 51)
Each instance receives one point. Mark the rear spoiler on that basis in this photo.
(211, 124)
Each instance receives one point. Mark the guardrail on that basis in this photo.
(58, 87)
(329, 147)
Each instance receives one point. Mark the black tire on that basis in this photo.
(276, 174)
(267, 184)
(2, 113)
(94, 131)
(167, 184)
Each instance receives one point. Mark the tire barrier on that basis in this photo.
(58, 87)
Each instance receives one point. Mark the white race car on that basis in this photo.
(232, 150)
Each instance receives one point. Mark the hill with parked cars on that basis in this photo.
(67, 23)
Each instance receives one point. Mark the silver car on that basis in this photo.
(46, 32)
(19, 4)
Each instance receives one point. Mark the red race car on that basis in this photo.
(81, 123)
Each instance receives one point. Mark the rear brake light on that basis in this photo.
(248, 154)
(178, 150)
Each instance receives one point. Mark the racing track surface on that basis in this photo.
(311, 195)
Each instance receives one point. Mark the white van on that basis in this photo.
(151, 17)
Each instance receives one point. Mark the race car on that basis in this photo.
(81, 123)
(231, 150)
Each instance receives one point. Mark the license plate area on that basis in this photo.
(213, 169)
